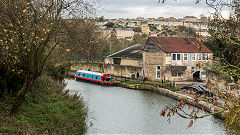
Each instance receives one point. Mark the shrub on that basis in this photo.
(47, 110)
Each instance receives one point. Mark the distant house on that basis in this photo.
(124, 33)
(131, 56)
(190, 19)
(174, 58)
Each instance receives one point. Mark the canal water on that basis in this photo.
(116, 110)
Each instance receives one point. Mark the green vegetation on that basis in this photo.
(154, 84)
(143, 83)
(152, 27)
(137, 29)
(47, 110)
(171, 88)
(33, 40)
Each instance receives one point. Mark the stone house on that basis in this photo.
(124, 33)
(174, 58)
(190, 19)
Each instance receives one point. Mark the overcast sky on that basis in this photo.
(151, 8)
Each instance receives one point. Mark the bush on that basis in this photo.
(57, 72)
(47, 110)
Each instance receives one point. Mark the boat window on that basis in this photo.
(87, 76)
(83, 75)
(92, 76)
(107, 78)
(96, 77)
(79, 74)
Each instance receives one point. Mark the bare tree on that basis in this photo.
(29, 31)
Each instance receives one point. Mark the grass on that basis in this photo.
(171, 88)
(155, 84)
(143, 83)
(47, 110)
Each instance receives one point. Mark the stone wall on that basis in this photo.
(116, 70)
(119, 70)
(130, 62)
(178, 96)
(150, 61)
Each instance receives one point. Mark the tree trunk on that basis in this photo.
(20, 99)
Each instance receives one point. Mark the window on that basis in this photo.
(83, 75)
(185, 57)
(79, 74)
(199, 56)
(178, 57)
(140, 63)
(192, 70)
(96, 77)
(177, 74)
(203, 56)
(174, 57)
(193, 57)
(157, 72)
(117, 61)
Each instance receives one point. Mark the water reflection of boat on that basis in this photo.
(96, 77)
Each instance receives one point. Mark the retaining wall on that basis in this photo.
(208, 106)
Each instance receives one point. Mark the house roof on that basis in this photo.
(134, 52)
(180, 45)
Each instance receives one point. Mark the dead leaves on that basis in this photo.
(190, 124)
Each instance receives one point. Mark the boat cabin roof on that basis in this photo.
(91, 72)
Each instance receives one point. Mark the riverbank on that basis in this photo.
(176, 95)
(47, 110)
(173, 93)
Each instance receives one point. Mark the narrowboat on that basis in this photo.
(96, 77)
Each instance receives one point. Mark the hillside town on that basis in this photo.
(190, 26)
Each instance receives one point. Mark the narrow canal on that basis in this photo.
(116, 110)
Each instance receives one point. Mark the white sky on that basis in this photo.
(151, 8)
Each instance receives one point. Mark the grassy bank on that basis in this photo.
(47, 110)
(154, 85)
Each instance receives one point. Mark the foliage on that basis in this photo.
(138, 39)
(86, 41)
(57, 72)
(29, 32)
(154, 84)
(100, 19)
(224, 42)
(152, 27)
(187, 31)
(144, 83)
(47, 110)
(171, 88)
(144, 35)
(167, 31)
(137, 29)
(203, 18)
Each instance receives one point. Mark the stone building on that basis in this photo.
(131, 56)
(174, 58)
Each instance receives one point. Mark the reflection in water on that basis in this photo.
(116, 110)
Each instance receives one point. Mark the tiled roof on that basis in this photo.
(134, 51)
(180, 45)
